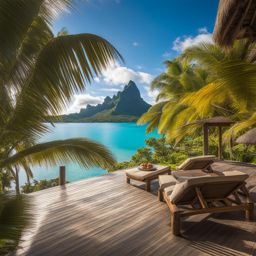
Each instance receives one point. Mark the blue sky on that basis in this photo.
(146, 33)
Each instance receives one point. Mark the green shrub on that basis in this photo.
(161, 152)
(39, 185)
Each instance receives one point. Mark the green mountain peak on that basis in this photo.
(125, 106)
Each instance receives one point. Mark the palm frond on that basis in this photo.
(16, 17)
(240, 127)
(169, 115)
(85, 152)
(204, 99)
(181, 124)
(15, 216)
(152, 116)
(66, 64)
(238, 77)
(205, 54)
(61, 70)
(36, 38)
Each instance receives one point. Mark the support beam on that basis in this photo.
(201, 198)
(206, 137)
(220, 143)
(62, 177)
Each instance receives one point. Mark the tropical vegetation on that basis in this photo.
(15, 215)
(160, 151)
(39, 74)
(205, 81)
(39, 185)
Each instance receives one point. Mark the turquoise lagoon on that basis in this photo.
(123, 139)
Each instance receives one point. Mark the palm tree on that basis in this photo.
(228, 88)
(231, 89)
(180, 78)
(39, 73)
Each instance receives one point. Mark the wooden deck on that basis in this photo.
(106, 216)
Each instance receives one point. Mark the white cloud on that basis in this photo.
(151, 95)
(119, 75)
(109, 89)
(82, 100)
(96, 79)
(203, 30)
(135, 44)
(182, 43)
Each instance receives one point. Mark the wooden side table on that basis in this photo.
(146, 176)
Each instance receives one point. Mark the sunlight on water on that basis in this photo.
(123, 139)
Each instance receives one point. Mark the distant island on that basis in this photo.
(125, 106)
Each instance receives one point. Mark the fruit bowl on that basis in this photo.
(147, 167)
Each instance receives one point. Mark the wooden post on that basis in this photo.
(175, 223)
(62, 177)
(160, 195)
(205, 135)
(220, 143)
(249, 212)
(148, 185)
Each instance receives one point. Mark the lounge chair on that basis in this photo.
(208, 195)
(198, 162)
(194, 163)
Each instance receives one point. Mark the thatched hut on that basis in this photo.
(249, 138)
(236, 19)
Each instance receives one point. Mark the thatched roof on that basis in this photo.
(216, 121)
(247, 138)
(235, 19)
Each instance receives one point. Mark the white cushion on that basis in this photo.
(168, 190)
(194, 160)
(211, 185)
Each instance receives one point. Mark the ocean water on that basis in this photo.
(123, 139)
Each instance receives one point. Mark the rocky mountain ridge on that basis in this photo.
(125, 106)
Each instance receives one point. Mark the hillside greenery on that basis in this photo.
(103, 116)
